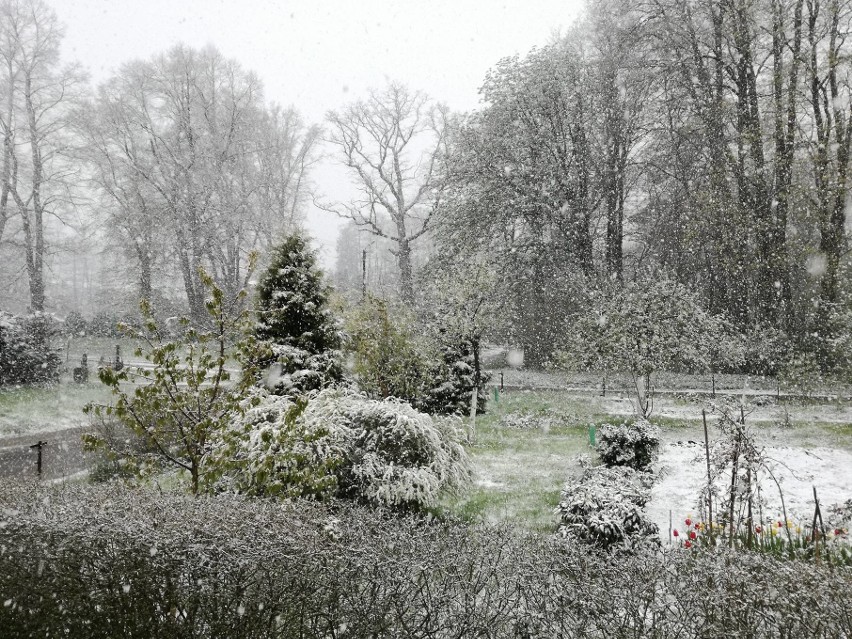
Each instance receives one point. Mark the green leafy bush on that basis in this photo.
(180, 400)
(393, 358)
(604, 508)
(629, 444)
(389, 358)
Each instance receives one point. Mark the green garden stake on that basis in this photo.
(592, 435)
(496, 395)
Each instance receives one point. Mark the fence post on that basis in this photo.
(39, 446)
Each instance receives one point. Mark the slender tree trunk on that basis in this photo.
(35, 231)
(406, 277)
(6, 177)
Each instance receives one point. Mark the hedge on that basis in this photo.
(107, 561)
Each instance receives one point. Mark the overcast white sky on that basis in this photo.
(319, 54)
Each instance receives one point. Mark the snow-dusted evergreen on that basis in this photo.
(605, 507)
(297, 337)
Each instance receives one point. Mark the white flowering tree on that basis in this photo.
(643, 327)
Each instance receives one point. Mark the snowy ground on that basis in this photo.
(682, 471)
(769, 410)
(30, 411)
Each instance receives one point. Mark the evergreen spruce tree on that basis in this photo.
(297, 340)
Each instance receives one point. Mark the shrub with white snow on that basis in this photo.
(628, 444)
(342, 444)
(605, 507)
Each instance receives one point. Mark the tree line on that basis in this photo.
(706, 142)
(174, 163)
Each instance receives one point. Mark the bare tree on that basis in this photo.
(393, 143)
(185, 141)
(35, 170)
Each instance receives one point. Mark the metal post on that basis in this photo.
(501, 382)
(39, 446)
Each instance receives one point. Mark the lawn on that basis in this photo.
(38, 409)
(528, 443)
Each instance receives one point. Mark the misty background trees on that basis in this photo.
(703, 142)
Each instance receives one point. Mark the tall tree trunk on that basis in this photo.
(35, 234)
(406, 276)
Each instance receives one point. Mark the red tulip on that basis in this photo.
(758, 529)
(688, 521)
(838, 531)
(692, 534)
(675, 532)
(687, 544)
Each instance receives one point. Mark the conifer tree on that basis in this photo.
(297, 339)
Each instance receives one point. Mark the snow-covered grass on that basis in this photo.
(527, 446)
(27, 410)
(619, 384)
(682, 472)
(524, 446)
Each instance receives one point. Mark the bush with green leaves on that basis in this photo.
(174, 405)
(297, 338)
(393, 357)
(389, 357)
(632, 444)
(26, 356)
(604, 507)
(340, 443)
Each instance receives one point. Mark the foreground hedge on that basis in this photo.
(108, 562)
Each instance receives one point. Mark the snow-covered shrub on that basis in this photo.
(340, 443)
(104, 324)
(604, 507)
(102, 561)
(642, 327)
(26, 356)
(449, 381)
(628, 444)
(75, 324)
(765, 349)
(268, 450)
(396, 456)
